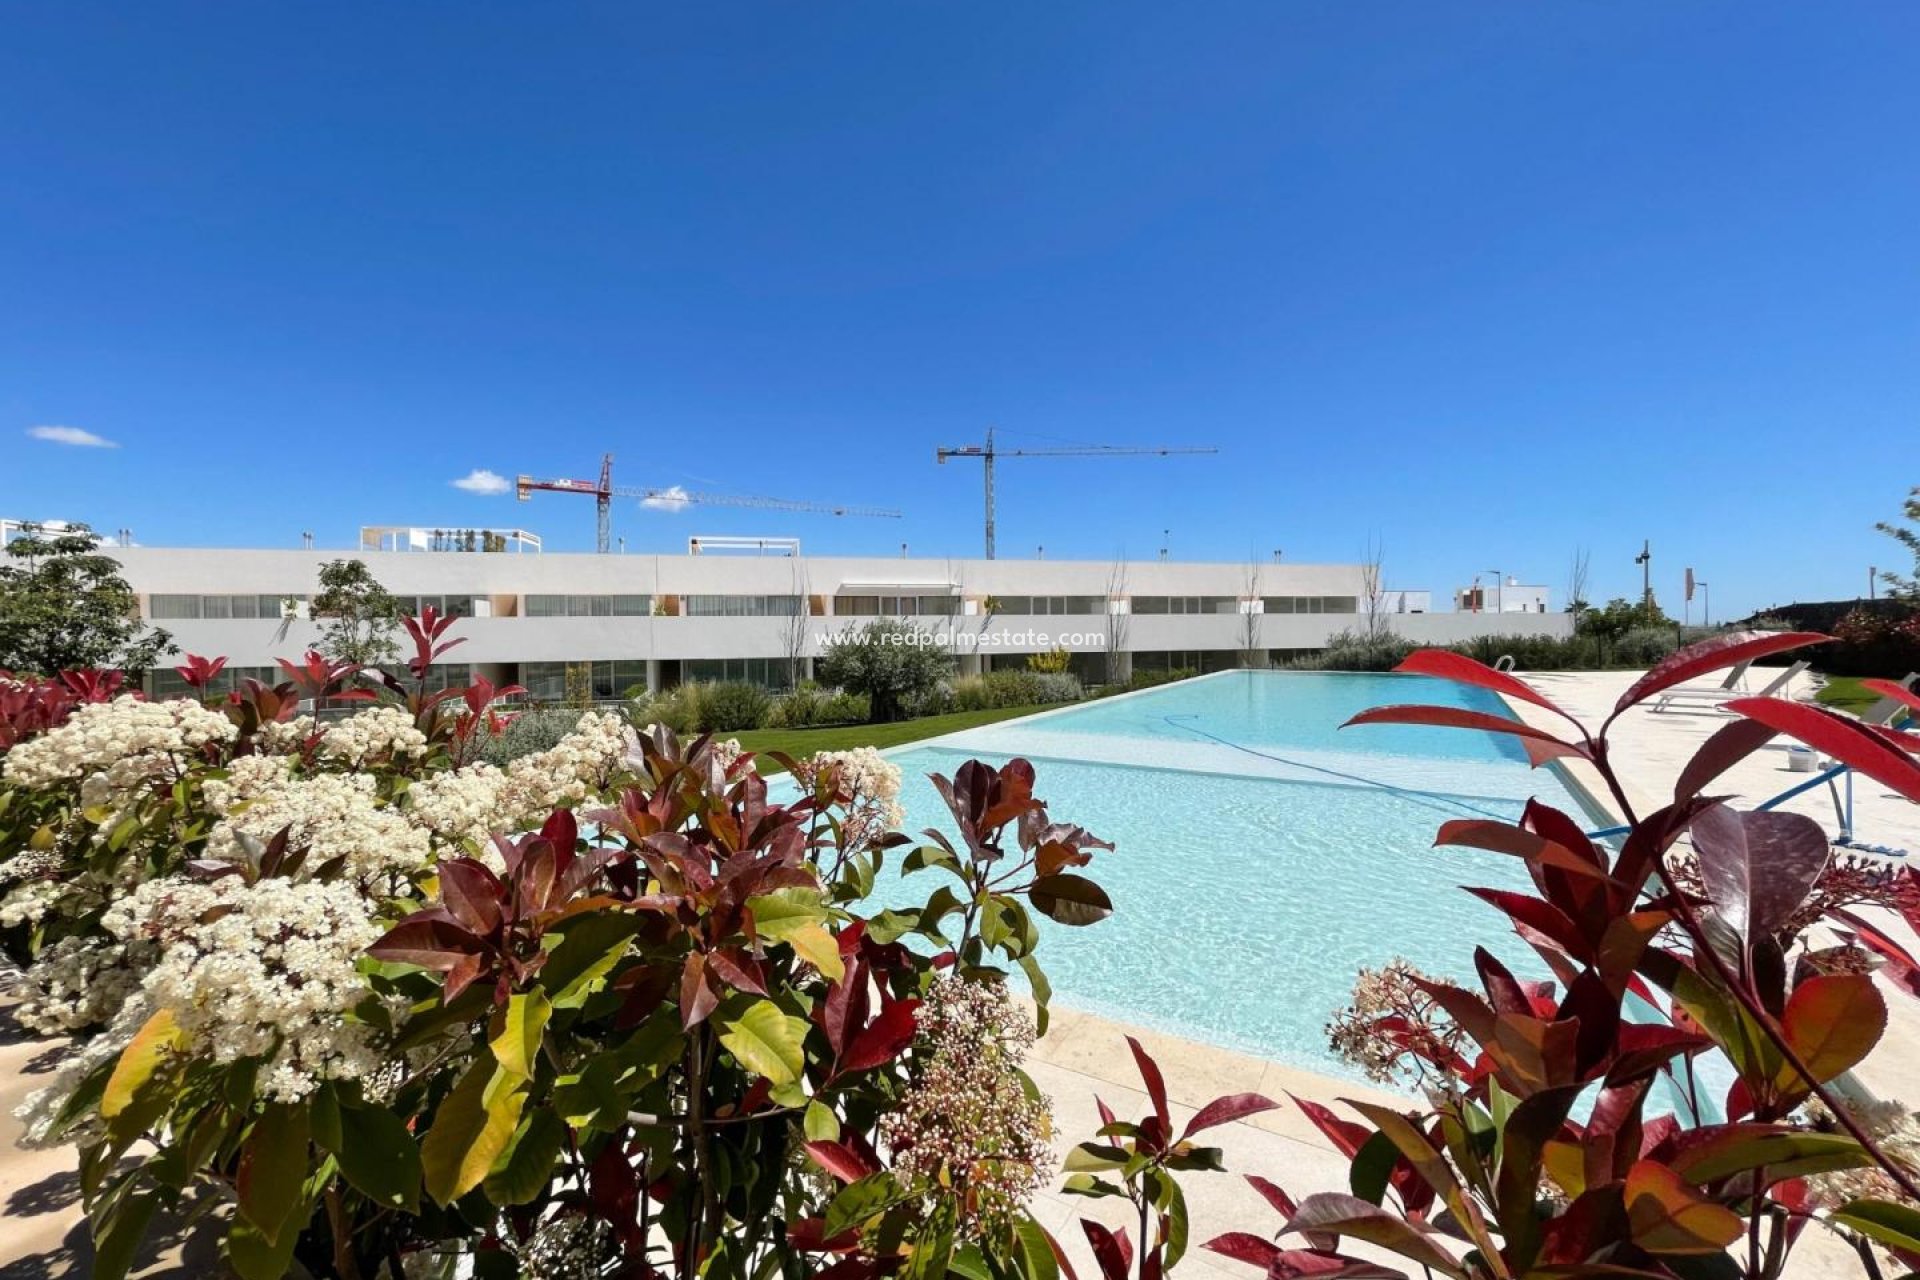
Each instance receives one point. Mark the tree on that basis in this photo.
(65, 607)
(1117, 662)
(1373, 594)
(1620, 616)
(363, 617)
(1577, 584)
(1905, 586)
(896, 665)
(794, 631)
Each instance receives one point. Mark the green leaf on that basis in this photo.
(379, 1157)
(777, 915)
(1894, 1225)
(1036, 1252)
(516, 1030)
(254, 1257)
(525, 1169)
(820, 1124)
(118, 1231)
(471, 1129)
(157, 1040)
(765, 1040)
(1091, 1157)
(1070, 899)
(273, 1169)
(818, 948)
(861, 1200)
(591, 946)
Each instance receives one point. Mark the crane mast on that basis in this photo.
(988, 452)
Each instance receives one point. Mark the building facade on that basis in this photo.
(561, 623)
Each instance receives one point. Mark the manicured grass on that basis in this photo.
(801, 743)
(1843, 693)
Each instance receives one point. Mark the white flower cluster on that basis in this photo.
(874, 782)
(41, 1109)
(287, 737)
(29, 864)
(126, 743)
(377, 734)
(78, 983)
(29, 902)
(571, 770)
(460, 804)
(472, 802)
(248, 778)
(332, 815)
(261, 970)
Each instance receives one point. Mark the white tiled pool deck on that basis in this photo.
(1084, 1057)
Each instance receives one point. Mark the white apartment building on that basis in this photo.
(1509, 596)
(626, 620)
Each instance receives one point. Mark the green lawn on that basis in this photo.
(1843, 693)
(804, 742)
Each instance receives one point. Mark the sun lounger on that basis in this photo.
(1727, 691)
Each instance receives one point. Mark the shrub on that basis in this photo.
(677, 708)
(1053, 661)
(1153, 679)
(538, 729)
(728, 706)
(889, 661)
(997, 689)
(845, 708)
(534, 1020)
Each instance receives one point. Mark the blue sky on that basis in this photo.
(1487, 282)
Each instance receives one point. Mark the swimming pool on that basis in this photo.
(1255, 870)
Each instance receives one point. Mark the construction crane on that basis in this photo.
(606, 491)
(987, 453)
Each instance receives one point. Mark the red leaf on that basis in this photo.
(699, 993)
(425, 940)
(1540, 916)
(739, 970)
(885, 1039)
(1729, 745)
(1542, 746)
(472, 894)
(841, 1160)
(1464, 670)
(1530, 846)
(1243, 1247)
(1845, 739)
(1225, 1110)
(1758, 867)
(1347, 1136)
(1832, 1022)
(846, 1006)
(1898, 967)
(1885, 688)
(1713, 655)
(1113, 1251)
(1282, 1202)
(1156, 1086)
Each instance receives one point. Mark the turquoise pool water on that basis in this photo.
(1254, 873)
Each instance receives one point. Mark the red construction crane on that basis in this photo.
(606, 491)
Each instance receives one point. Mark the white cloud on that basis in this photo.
(481, 480)
(674, 499)
(71, 435)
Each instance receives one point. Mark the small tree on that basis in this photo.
(794, 634)
(1117, 622)
(363, 617)
(896, 665)
(65, 607)
(1577, 584)
(1905, 586)
(1373, 594)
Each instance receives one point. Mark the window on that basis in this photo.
(932, 606)
(594, 606)
(768, 673)
(1186, 604)
(741, 606)
(173, 606)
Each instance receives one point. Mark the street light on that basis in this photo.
(1706, 602)
(1499, 598)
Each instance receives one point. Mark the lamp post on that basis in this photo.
(1499, 596)
(1706, 602)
